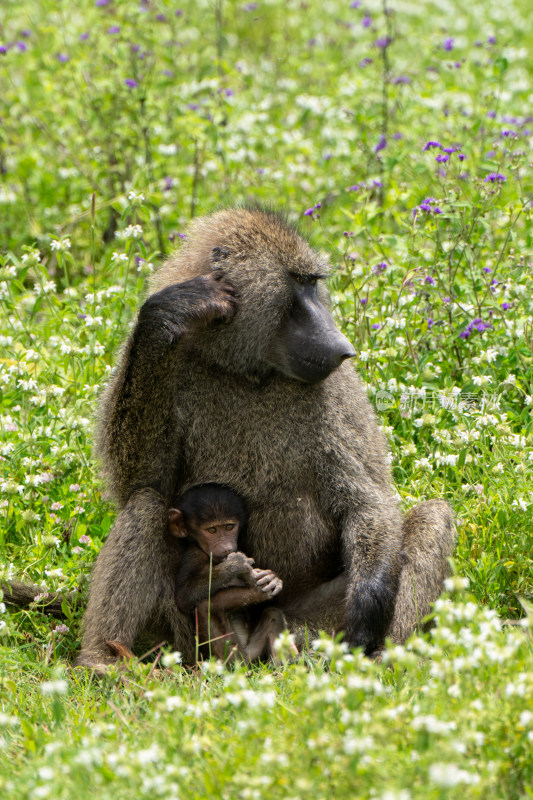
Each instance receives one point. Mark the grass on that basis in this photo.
(121, 121)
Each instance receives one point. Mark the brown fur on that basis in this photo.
(194, 402)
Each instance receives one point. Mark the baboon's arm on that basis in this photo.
(139, 428)
(193, 587)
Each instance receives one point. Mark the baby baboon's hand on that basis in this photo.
(268, 582)
(182, 307)
(240, 566)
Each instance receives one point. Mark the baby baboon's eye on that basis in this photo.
(229, 526)
(212, 529)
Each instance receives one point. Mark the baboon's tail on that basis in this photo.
(24, 595)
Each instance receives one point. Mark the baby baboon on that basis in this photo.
(215, 579)
(235, 372)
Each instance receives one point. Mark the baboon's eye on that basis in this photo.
(212, 529)
(298, 278)
(312, 281)
(229, 526)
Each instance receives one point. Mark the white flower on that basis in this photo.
(119, 257)
(481, 380)
(135, 199)
(131, 232)
(170, 659)
(48, 288)
(46, 773)
(62, 244)
(456, 584)
(59, 686)
(447, 775)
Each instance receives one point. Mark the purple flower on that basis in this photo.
(26, 33)
(229, 92)
(102, 2)
(131, 83)
(477, 325)
(427, 205)
(491, 40)
(84, 37)
(364, 301)
(383, 42)
(22, 46)
(506, 306)
(381, 145)
(167, 73)
(354, 188)
(169, 183)
(3, 49)
(397, 135)
(491, 114)
(160, 17)
(381, 267)
(367, 21)
(114, 29)
(182, 235)
(62, 57)
(430, 144)
(487, 269)
(309, 212)
(449, 150)
(441, 158)
(355, 3)
(250, 7)
(179, 13)
(318, 205)
(448, 44)
(461, 156)
(375, 326)
(507, 133)
(365, 62)
(495, 177)
(430, 323)
(377, 183)
(400, 79)
(446, 299)
(429, 279)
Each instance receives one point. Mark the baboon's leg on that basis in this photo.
(133, 583)
(428, 541)
(321, 609)
(263, 635)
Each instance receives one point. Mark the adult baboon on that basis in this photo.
(235, 373)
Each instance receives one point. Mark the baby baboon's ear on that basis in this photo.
(176, 523)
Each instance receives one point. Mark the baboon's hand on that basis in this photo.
(185, 306)
(240, 566)
(268, 582)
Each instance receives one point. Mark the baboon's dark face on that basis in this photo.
(308, 346)
(282, 322)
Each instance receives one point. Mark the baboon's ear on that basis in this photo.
(219, 254)
(176, 523)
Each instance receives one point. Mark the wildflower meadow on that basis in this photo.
(397, 135)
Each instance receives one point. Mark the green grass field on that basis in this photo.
(398, 135)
